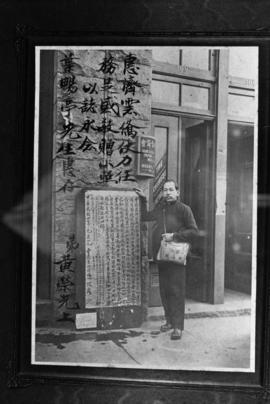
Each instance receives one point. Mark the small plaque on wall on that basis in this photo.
(146, 156)
(85, 320)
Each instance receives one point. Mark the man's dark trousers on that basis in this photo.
(172, 285)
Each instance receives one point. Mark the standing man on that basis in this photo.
(178, 220)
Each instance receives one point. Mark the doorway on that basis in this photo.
(185, 153)
(239, 207)
(197, 189)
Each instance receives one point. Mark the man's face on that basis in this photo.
(170, 193)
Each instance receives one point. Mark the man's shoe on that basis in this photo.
(176, 334)
(165, 327)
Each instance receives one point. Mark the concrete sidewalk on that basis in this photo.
(215, 337)
(235, 304)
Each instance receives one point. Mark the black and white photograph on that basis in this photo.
(144, 235)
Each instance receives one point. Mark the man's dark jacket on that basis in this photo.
(178, 219)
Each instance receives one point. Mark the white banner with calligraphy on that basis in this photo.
(112, 248)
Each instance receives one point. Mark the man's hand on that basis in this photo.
(167, 237)
(140, 192)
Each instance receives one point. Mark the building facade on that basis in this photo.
(198, 106)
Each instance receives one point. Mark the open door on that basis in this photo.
(197, 192)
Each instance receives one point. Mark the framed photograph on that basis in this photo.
(133, 144)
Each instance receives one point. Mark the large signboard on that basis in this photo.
(112, 248)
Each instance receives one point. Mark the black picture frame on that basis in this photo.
(21, 372)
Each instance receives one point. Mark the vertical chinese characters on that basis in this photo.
(103, 107)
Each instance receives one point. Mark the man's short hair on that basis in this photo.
(171, 180)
